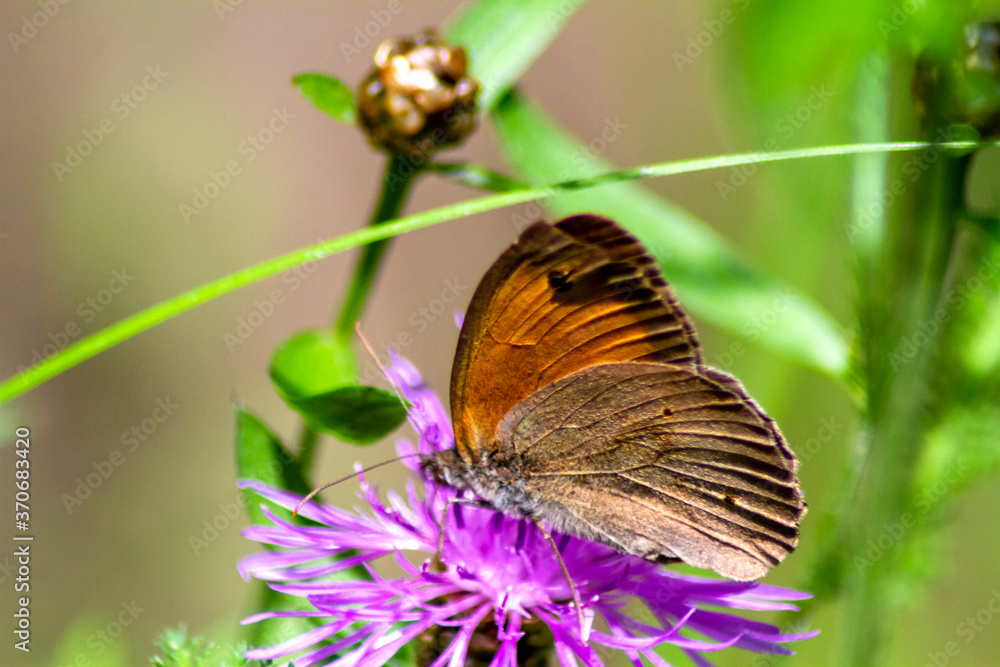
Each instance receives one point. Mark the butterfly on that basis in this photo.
(580, 398)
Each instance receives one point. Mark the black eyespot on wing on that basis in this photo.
(559, 281)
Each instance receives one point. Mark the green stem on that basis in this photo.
(307, 447)
(828, 567)
(259, 634)
(399, 175)
(903, 294)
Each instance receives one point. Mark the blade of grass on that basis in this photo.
(503, 37)
(145, 319)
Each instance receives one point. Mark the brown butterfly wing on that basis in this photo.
(567, 296)
(658, 461)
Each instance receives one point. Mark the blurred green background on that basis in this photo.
(168, 95)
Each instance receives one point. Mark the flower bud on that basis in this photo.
(419, 97)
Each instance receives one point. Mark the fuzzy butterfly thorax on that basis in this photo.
(579, 398)
(495, 479)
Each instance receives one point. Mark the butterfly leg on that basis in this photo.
(475, 502)
(584, 633)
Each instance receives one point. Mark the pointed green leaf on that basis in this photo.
(503, 37)
(709, 277)
(260, 456)
(330, 95)
(315, 374)
(475, 176)
(357, 414)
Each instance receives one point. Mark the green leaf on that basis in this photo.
(312, 362)
(982, 355)
(315, 374)
(358, 414)
(960, 450)
(330, 95)
(503, 37)
(260, 456)
(475, 176)
(708, 275)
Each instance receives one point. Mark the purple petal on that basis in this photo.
(314, 657)
(489, 562)
(296, 644)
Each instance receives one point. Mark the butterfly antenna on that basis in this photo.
(569, 580)
(356, 473)
(371, 353)
(385, 374)
(395, 389)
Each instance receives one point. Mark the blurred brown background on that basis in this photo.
(198, 80)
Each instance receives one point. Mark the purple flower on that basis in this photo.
(496, 575)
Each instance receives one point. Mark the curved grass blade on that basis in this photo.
(145, 319)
